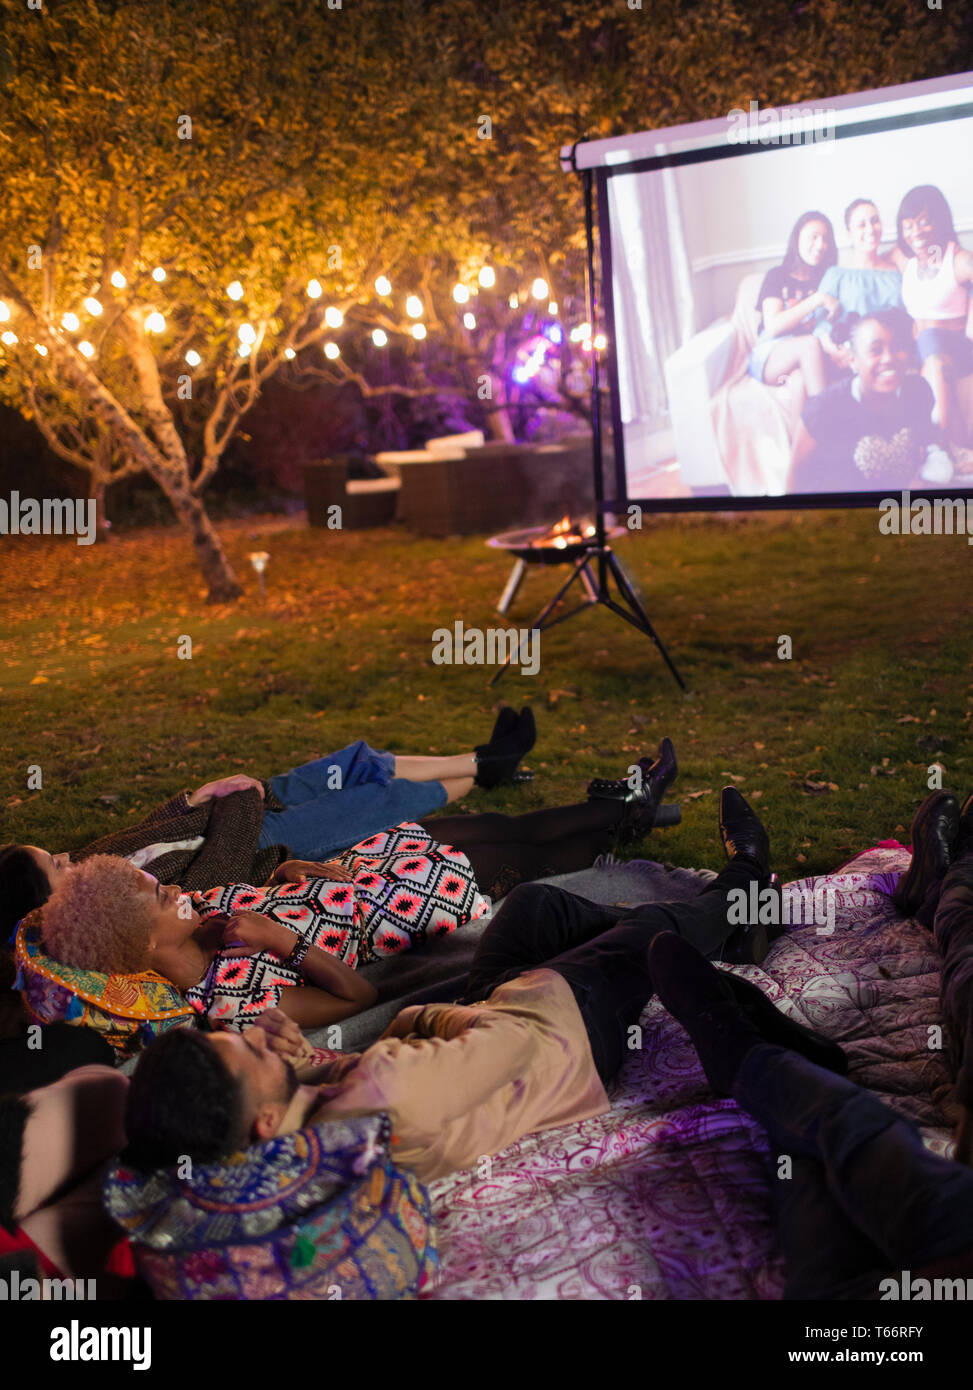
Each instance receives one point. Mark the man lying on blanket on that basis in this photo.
(560, 983)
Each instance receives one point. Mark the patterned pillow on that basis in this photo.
(322, 1213)
(127, 1010)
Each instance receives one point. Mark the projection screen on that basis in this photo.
(727, 389)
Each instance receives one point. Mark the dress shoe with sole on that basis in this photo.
(935, 827)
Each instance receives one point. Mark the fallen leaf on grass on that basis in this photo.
(693, 796)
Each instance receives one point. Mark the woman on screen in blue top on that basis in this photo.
(871, 282)
(791, 306)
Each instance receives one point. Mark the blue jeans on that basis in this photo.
(342, 798)
(865, 1198)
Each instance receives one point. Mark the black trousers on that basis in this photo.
(859, 1198)
(953, 931)
(601, 952)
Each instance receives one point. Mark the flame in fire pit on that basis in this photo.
(566, 532)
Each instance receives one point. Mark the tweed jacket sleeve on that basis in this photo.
(228, 854)
(173, 820)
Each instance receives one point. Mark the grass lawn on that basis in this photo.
(833, 745)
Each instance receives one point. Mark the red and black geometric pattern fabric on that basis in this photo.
(406, 887)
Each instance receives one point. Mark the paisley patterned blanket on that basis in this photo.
(666, 1196)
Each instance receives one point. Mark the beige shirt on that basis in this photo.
(461, 1082)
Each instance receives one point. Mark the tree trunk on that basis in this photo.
(96, 492)
(210, 555)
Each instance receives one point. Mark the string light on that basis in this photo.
(247, 333)
(601, 342)
(290, 354)
(234, 290)
(314, 289)
(4, 313)
(552, 307)
(39, 347)
(193, 357)
(469, 320)
(487, 277)
(332, 350)
(71, 322)
(413, 306)
(380, 337)
(514, 301)
(586, 345)
(155, 323)
(8, 338)
(334, 318)
(461, 294)
(582, 331)
(86, 349)
(383, 286)
(158, 274)
(244, 350)
(540, 288)
(118, 280)
(93, 306)
(418, 331)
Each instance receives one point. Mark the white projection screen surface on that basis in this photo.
(726, 388)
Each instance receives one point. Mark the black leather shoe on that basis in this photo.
(642, 803)
(742, 831)
(935, 827)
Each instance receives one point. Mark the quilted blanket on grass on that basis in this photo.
(668, 1195)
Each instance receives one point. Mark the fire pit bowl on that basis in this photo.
(539, 545)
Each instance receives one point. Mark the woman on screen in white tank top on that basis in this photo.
(936, 278)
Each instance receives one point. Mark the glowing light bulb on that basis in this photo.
(582, 331)
(155, 323)
(540, 288)
(118, 280)
(4, 313)
(86, 349)
(552, 307)
(461, 294)
(247, 333)
(193, 357)
(514, 301)
(413, 306)
(158, 274)
(244, 350)
(93, 306)
(601, 342)
(332, 350)
(39, 347)
(418, 331)
(334, 318)
(383, 286)
(8, 338)
(289, 353)
(487, 277)
(71, 322)
(469, 320)
(314, 289)
(380, 337)
(234, 290)
(586, 345)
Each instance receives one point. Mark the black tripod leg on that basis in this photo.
(631, 598)
(546, 611)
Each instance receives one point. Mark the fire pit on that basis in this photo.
(563, 543)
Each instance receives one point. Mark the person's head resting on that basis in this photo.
(881, 349)
(811, 246)
(204, 1096)
(28, 876)
(107, 915)
(924, 221)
